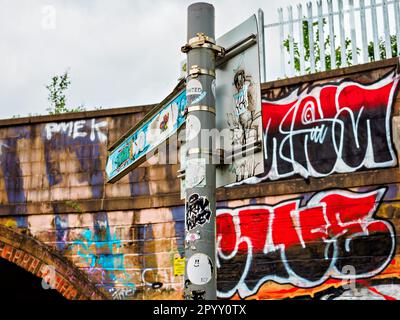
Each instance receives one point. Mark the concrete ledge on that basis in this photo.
(75, 115)
(329, 74)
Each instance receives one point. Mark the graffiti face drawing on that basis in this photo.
(241, 122)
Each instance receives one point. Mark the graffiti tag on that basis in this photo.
(334, 127)
(302, 245)
(197, 211)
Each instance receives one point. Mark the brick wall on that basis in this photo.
(327, 208)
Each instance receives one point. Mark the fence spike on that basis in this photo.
(375, 30)
(343, 61)
(332, 35)
(311, 36)
(291, 40)
(388, 46)
(281, 40)
(301, 38)
(353, 35)
(321, 36)
(397, 19)
(363, 32)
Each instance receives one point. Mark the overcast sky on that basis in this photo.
(119, 53)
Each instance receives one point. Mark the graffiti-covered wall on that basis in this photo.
(52, 187)
(325, 210)
(321, 128)
(333, 233)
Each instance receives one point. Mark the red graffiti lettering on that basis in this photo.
(334, 127)
(303, 245)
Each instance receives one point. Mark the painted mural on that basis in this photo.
(306, 245)
(335, 127)
(333, 239)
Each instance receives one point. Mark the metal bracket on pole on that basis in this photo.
(181, 173)
(236, 49)
(240, 152)
(201, 108)
(217, 155)
(203, 41)
(203, 151)
(195, 71)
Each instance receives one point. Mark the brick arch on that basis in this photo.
(34, 256)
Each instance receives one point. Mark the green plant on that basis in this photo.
(59, 84)
(327, 49)
(382, 50)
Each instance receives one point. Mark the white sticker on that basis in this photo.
(193, 127)
(213, 86)
(195, 172)
(194, 87)
(200, 269)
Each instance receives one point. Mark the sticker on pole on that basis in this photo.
(237, 93)
(194, 87)
(198, 211)
(196, 173)
(200, 269)
(179, 266)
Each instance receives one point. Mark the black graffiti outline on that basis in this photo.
(301, 90)
(246, 292)
(198, 211)
(198, 295)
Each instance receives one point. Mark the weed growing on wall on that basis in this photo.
(59, 84)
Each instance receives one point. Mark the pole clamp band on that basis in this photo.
(203, 41)
(200, 39)
(201, 108)
(195, 71)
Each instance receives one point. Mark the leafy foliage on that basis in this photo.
(327, 49)
(59, 84)
(382, 50)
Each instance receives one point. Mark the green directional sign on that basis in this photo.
(161, 123)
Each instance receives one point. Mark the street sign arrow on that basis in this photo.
(156, 127)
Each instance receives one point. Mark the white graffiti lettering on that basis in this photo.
(78, 129)
(263, 243)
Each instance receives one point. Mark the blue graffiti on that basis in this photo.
(178, 215)
(13, 177)
(86, 140)
(98, 249)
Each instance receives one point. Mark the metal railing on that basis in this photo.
(329, 35)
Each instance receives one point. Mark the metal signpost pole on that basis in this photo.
(238, 99)
(200, 219)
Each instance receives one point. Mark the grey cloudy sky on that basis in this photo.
(119, 53)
